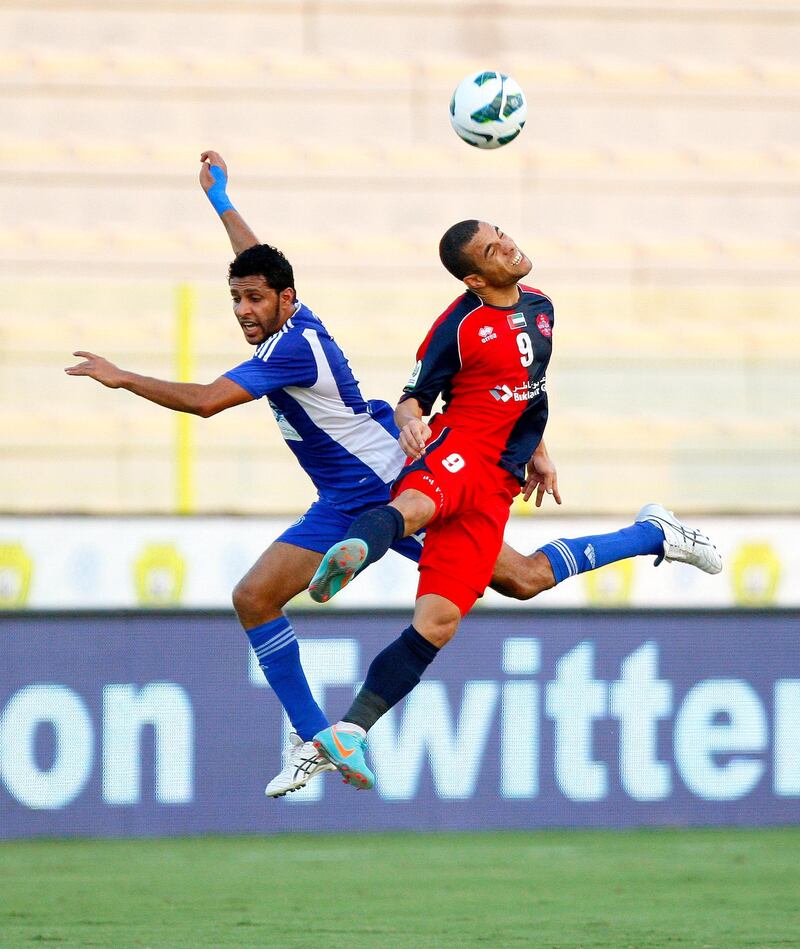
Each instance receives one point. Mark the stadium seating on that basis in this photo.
(655, 188)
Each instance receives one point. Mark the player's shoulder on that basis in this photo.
(534, 293)
(304, 319)
(445, 329)
(458, 310)
(292, 336)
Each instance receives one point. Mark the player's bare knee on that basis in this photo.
(253, 603)
(438, 624)
(242, 599)
(440, 633)
(417, 509)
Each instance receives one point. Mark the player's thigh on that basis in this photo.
(448, 474)
(279, 574)
(460, 554)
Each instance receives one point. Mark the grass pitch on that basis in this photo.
(705, 888)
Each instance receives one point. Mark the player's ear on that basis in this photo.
(475, 281)
(287, 296)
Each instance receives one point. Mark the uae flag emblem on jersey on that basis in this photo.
(517, 321)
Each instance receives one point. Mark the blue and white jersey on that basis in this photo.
(347, 446)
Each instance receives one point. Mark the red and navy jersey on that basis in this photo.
(488, 363)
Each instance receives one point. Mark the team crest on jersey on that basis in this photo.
(543, 325)
(414, 375)
(517, 321)
(486, 333)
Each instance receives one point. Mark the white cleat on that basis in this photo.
(682, 544)
(303, 762)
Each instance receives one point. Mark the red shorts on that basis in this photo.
(473, 497)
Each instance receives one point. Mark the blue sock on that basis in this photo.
(571, 556)
(379, 528)
(279, 656)
(392, 674)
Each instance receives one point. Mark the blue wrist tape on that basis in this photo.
(217, 194)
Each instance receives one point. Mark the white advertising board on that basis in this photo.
(80, 563)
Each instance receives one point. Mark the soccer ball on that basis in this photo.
(488, 109)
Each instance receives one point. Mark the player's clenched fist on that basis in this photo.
(211, 159)
(97, 368)
(413, 436)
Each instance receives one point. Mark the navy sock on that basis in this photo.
(571, 556)
(379, 528)
(279, 657)
(392, 674)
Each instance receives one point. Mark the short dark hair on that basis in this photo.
(451, 248)
(264, 261)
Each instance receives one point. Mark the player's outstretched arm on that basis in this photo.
(203, 400)
(214, 181)
(413, 431)
(542, 476)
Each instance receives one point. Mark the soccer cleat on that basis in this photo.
(339, 565)
(345, 751)
(302, 763)
(682, 544)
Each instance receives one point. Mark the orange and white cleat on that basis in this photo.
(339, 565)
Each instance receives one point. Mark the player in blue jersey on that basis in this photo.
(347, 445)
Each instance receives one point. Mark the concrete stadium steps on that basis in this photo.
(132, 162)
(330, 103)
(560, 256)
(115, 460)
(607, 462)
(741, 320)
(376, 321)
(655, 188)
(418, 72)
(122, 457)
(617, 26)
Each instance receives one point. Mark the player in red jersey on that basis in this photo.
(487, 356)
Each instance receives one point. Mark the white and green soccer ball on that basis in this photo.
(488, 109)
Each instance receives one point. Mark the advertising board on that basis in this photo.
(157, 724)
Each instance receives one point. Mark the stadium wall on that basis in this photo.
(117, 724)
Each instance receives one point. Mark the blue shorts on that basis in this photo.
(323, 525)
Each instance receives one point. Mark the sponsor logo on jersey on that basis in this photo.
(502, 393)
(517, 321)
(528, 390)
(414, 377)
(543, 325)
(289, 432)
(486, 333)
(429, 480)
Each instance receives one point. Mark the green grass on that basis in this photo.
(705, 888)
